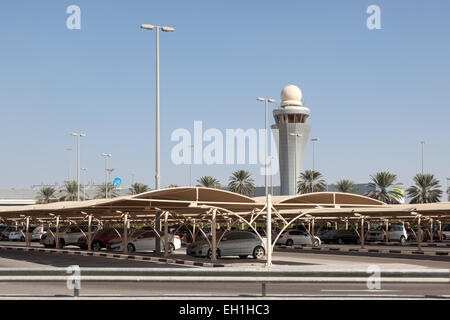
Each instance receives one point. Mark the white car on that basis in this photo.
(234, 243)
(446, 232)
(144, 241)
(398, 233)
(6, 232)
(292, 237)
(16, 235)
(38, 232)
(69, 236)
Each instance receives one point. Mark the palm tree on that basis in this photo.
(345, 186)
(138, 188)
(103, 188)
(426, 189)
(209, 182)
(311, 181)
(70, 191)
(241, 182)
(46, 195)
(381, 185)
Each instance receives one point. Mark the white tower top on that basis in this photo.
(291, 95)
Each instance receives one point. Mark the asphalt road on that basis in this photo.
(12, 258)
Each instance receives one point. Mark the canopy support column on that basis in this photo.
(387, 231)
(125, 234)
(89, 237)
(158, 232)
(57, 232)
(419, 233)
(312, 232)
(269, 231)
(213, 236)
(193, 231)
(27, 234)
(166, 234)
(362, 232)
(440, 231)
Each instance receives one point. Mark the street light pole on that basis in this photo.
(109, 177)
(266, 100)
(165, 29)
(78, 135)
(106, 155)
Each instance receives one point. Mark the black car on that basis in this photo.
(340, 236)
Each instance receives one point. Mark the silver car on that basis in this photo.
(234, 243)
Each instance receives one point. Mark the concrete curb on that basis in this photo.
(424, 245)
(117, 256)
(367, 250)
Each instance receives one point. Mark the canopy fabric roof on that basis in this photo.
(188, 202)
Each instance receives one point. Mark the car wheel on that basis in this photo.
(61, 243)
(358, 241)
(22, 239)
(171, 248)
(96, 246)
(402, 240)
(289, 242)
(340, 241)
(208, 255)
(130, 248)
(316, 243)
(243, 257)
(259, 253)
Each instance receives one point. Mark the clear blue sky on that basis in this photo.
(373, 95)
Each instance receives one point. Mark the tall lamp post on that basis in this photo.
(69, 152)
(165, 29)
(266, 100)
(296, 135)
(314, 140)
(78, 135)
(84, 183)
(106, 155)
(109, 177)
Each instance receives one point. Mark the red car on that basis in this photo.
(102, 237)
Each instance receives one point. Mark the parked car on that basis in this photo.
(398, 233)
(341, 236)
(101, 238)
(446, 232)
(68, 236)
(19, 234)
(233, 243)
(291, 237)
(38, 232)
(16, 235)
(144, 241)
(6, 232)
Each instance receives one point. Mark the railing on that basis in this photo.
(74, 275)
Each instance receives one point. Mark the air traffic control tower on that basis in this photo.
(291, 133)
